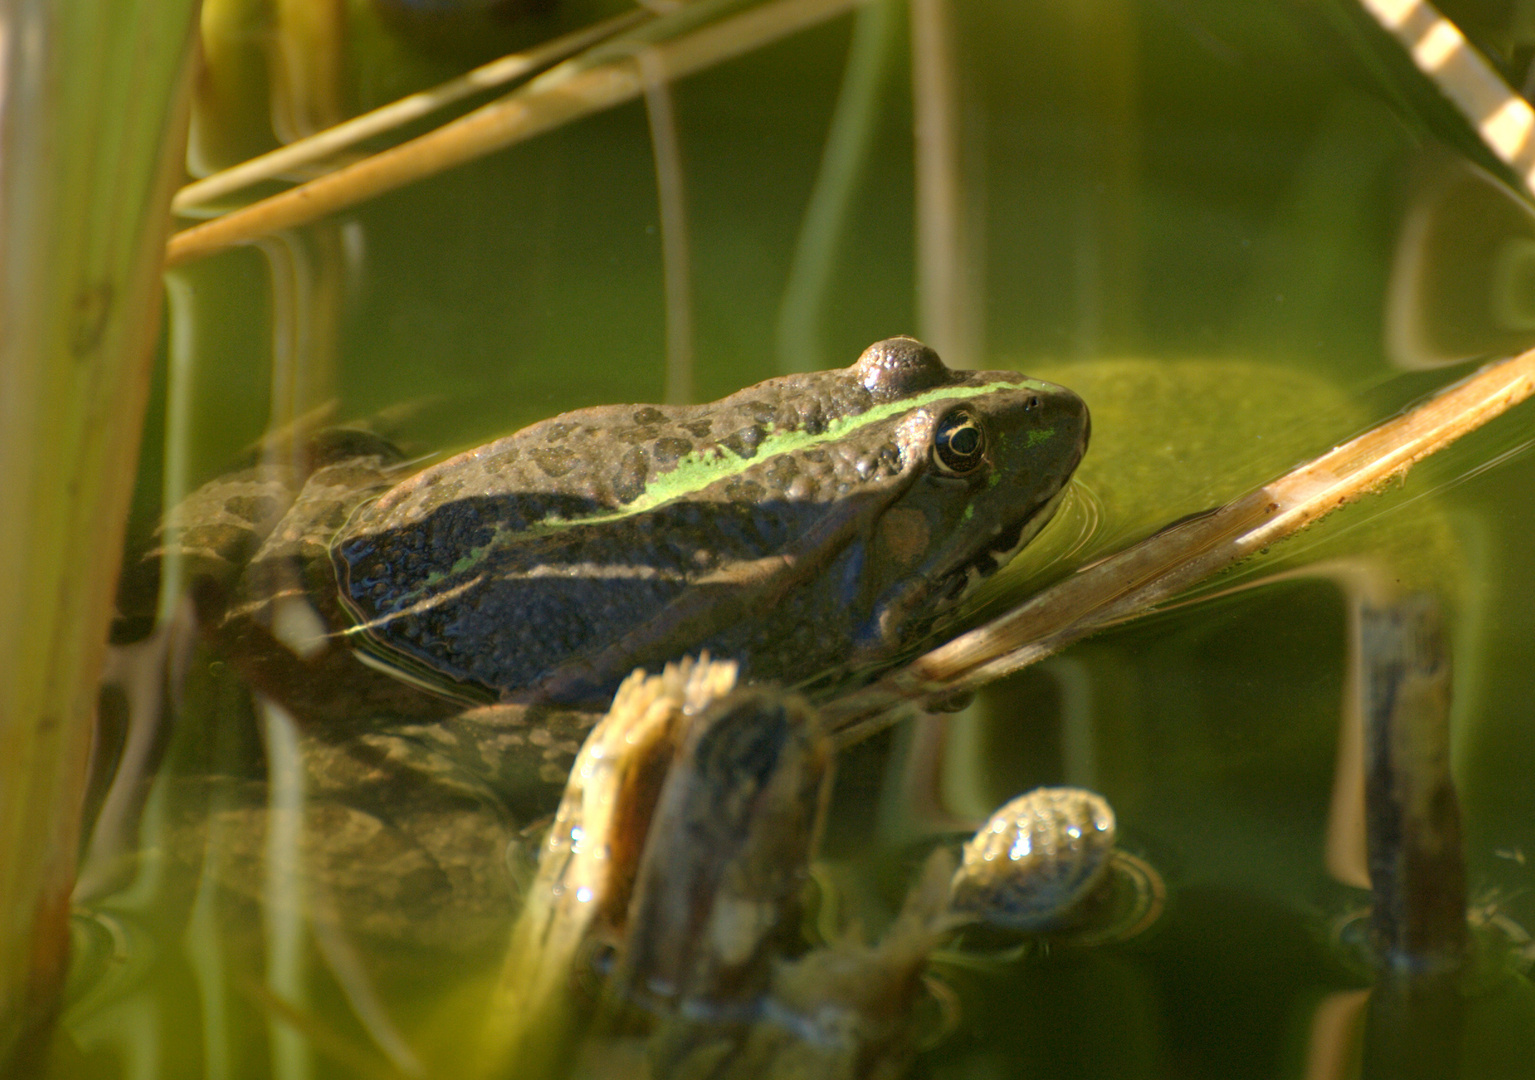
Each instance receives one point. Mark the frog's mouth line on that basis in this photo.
(1004, 546)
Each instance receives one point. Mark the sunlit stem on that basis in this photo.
(1503, 119)
(181, 371)
(93, 98)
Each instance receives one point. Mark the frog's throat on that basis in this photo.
(1006, 546)
(894, 625)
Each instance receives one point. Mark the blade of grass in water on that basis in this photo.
(608, 76)
(849, 143)
(674, 231)
(84, 193)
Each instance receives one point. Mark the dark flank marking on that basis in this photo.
(256, 509)
(335, 516)
(554, 462)
(648, 416)
(556, 432)
(634, 436)
(340, 446)
(668, 451)
(745, 442)
(699, 429)
(633, 471)
(748, 491)
(781, 471)
(764, 412)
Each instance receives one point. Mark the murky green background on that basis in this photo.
(1189, 210)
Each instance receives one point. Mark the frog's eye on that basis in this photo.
(959, 444)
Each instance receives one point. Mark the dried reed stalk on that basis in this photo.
(566, 93)
(1132, 581)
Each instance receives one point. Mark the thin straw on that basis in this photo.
(296, 155)
(555, 98)
(1132, 581)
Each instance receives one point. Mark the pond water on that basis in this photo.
(1242, 232)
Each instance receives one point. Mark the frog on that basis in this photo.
(811, 525)
(846, 511)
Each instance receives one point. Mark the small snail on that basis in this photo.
(1046, 863)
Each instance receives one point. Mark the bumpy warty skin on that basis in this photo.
(759, 526)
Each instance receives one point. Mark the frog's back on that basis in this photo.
(604, 459)
(496, 566)
(790, 526)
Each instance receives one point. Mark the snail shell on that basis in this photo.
(1036, 860)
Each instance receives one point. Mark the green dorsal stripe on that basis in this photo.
(698, 470)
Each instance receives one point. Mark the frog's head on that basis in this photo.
(985, 457)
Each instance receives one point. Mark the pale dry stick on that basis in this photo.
(1503, 119)
(1333, 1036)
(557, 97)
(1132, 581)
(333, 140)
(587, 864)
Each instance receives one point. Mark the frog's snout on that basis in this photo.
(1065, 424)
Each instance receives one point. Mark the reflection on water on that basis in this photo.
(1232, 228)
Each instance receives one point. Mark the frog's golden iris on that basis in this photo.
(959, 444)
